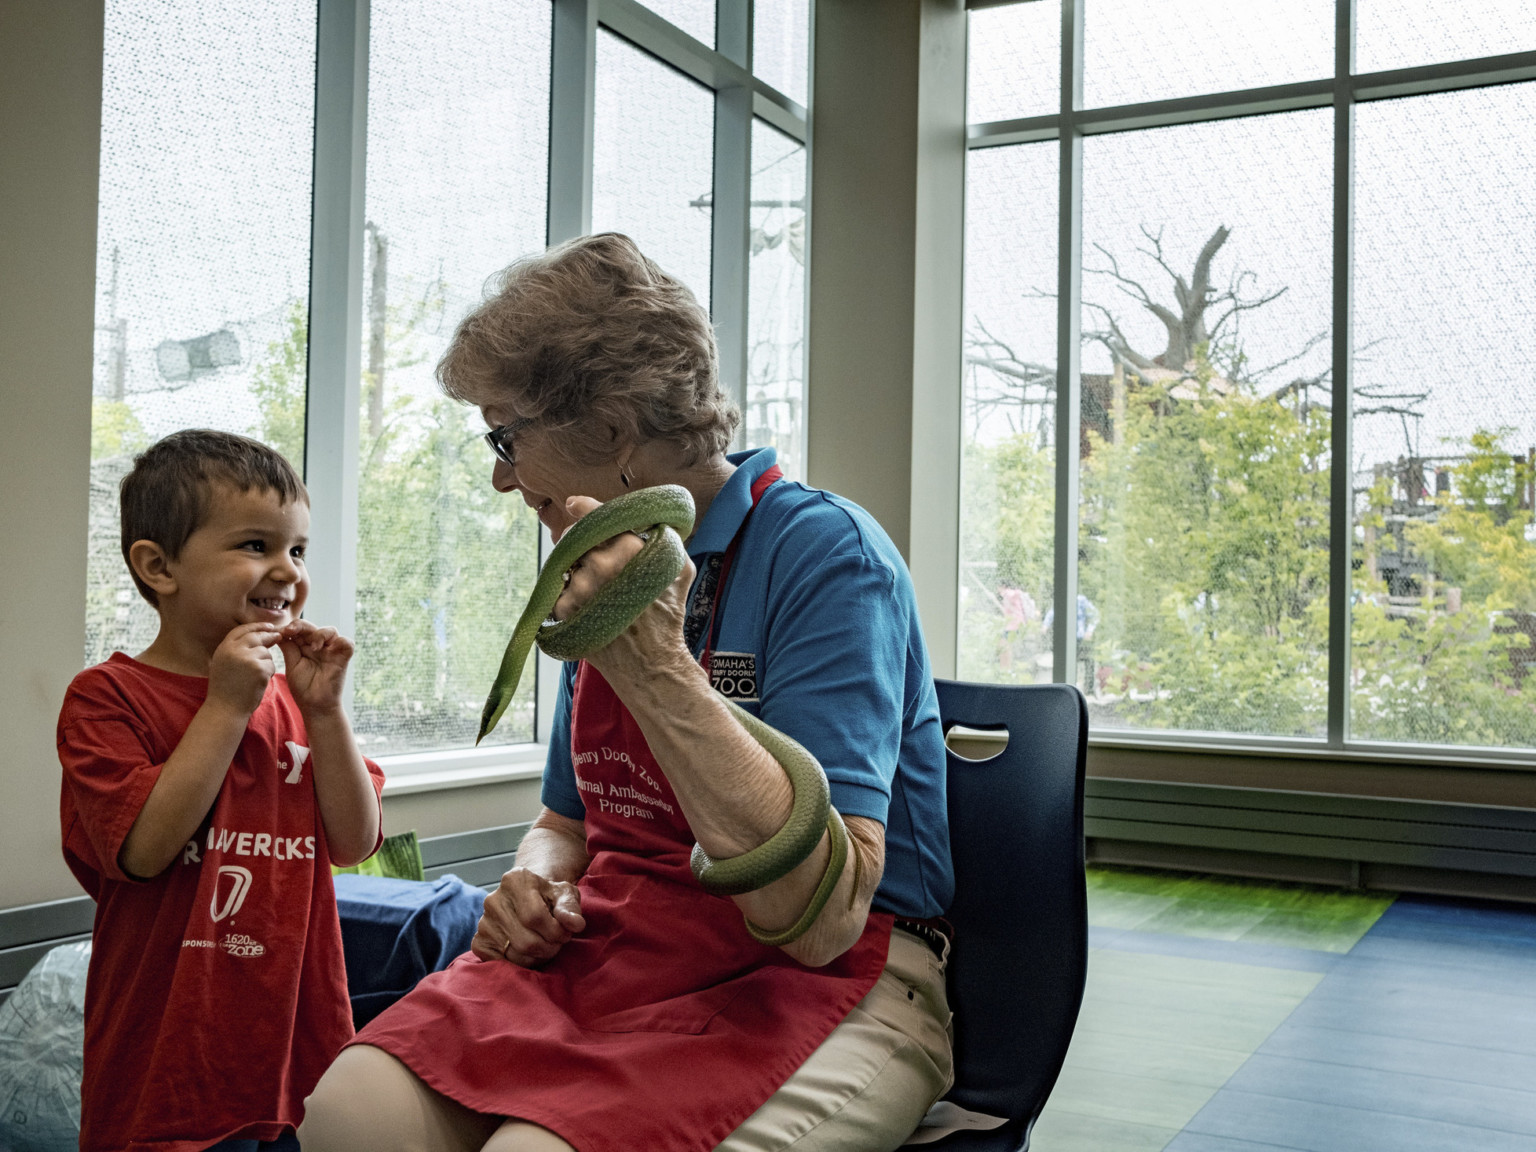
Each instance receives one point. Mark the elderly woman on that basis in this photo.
(609, 1002)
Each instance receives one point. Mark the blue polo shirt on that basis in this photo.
(818, 622)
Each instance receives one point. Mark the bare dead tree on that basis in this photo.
(1202, 315)
(1202, 312)
(1008, 382)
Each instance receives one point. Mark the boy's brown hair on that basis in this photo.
(167, 495)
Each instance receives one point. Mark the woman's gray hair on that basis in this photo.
(599, 345)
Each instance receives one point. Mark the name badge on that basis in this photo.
(734, 675)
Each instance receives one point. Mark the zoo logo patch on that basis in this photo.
(734, 675)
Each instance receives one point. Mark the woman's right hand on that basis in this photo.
(528, 919)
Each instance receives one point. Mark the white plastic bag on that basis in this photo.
(42, 1043)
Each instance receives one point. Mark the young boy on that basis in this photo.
(204, 800)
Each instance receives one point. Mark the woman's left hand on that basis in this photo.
(657, 633)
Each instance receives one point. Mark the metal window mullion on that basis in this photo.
(331, 413)
(572, 102)
(733, 32)
(807, 252)
(729, 251)
(731, 211)
(1069, 289)
(1444, 76)
(1448, 76)
(572, 109)
(1341, 474)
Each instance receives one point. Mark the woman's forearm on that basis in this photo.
(735, 795)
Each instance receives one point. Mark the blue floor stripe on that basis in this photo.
(1421, 1038)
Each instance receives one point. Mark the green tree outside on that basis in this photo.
(1204, 544)
(444, 562)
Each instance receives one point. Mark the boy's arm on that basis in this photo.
(316, 660)
(349, 805)
(190, 779)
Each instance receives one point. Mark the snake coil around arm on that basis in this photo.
(663, 516)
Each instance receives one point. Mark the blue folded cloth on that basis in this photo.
(394, 932)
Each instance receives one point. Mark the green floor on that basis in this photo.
(1222, 908)
(1165, 1020)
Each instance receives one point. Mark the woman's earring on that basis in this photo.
(623, 479)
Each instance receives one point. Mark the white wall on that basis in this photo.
(887, 209)
(50, 111)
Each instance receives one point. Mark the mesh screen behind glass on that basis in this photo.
(1444, 436)
(781, 42)
(458, 115)
(1203, 531)
(652, 169)
(1134, 51)
(1408, 33)
(1007, 485)
(202, 274)
(775, 412)
(1014, 63)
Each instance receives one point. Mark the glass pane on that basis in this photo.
(1445, 342)
(775, 412)
(695, 17)
(1207, 256)
(458, 116)
(1135, 51)
(202, 274)
(1007, 479)
(653, 160)
(1014, 62)
(781, 41)
(1406, 33)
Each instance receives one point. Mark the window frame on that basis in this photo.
(333, 398)
(1342, 92)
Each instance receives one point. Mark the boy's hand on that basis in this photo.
(242, 664)
(316, 660)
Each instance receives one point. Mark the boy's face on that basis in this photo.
(243, 565)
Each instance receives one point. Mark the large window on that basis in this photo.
(1444, 601)
(653, 159)
(202, 272)
(774, 413)
(475, 111)
(458, 141)
(1278, 311)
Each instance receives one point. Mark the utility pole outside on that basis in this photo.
(378, 252)
(117, 354)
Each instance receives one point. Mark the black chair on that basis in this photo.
(1020, 956)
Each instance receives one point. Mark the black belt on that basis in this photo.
(936, 933)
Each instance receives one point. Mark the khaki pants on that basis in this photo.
(871, 1081)
(863, 1090)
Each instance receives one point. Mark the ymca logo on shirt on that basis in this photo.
(298, 754)
(734, 675)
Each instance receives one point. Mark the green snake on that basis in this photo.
(663, 516)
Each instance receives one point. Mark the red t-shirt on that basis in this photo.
(216, 995)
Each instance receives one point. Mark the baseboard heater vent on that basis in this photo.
(1363, 830)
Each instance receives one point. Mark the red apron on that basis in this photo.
(663, 1025)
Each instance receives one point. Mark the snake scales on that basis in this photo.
(665, 515)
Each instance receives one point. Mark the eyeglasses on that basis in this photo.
(500, 439)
